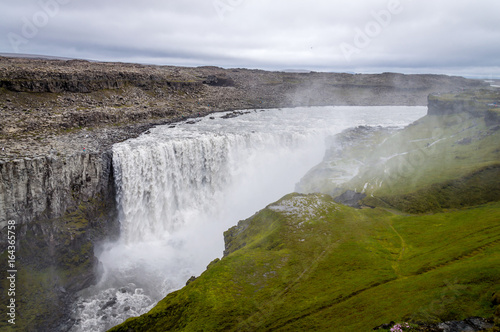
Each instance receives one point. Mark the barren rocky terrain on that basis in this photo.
(72, 106)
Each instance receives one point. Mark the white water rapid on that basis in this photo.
(179, 188)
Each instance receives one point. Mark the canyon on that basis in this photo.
(60, 120)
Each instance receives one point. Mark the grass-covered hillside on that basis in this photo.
(440, 161)
(427, 251)
(307, 263)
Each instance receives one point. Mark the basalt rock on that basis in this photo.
(350, 198)
(63, 206)
(49, 186)
(480, 103)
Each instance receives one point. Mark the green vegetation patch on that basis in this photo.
(479, 187)
(432, 150)
(307, 263)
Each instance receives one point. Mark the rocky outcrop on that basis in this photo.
(350, 198)
(81, 77)
(49, 186)
(446, 107)
(478, 103)
(219, 81)
(472, 324)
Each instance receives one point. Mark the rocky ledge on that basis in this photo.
(478, 103)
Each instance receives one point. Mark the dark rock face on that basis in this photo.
(231, 234)
(233, 114)
(384, 326)
(447, 107)
(492, 118)
(63, 207)
(219, 81)
(478, 103)
(350, 198)
(495, 299)
(469, 324)
(88, 81)
(190, 280)
(47, 187)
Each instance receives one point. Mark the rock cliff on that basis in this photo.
(483, 102)
(48, 186)
(63, 206)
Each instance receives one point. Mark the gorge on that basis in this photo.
(180, 188)
(60, 124)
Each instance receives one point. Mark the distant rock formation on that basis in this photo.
(478, 103)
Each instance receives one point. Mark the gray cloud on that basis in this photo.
(443, 36)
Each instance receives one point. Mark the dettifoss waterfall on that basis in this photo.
(181, 186)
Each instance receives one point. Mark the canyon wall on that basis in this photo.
(49, 186)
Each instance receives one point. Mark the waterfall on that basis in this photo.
(161, 186)
(164, 186)
(180, 187)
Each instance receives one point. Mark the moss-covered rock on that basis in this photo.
(479, 187)
(55, 259)
(474, 102)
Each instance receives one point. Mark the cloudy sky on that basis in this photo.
(427, 36)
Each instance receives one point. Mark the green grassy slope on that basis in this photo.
(432, 150)
(436, 163)
(307, 263)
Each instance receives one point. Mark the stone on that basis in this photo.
(350, 198)
(190, 280)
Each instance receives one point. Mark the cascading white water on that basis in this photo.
(180, 188)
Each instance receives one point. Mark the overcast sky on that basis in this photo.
(426, 36)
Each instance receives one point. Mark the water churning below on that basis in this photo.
(180, 187)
